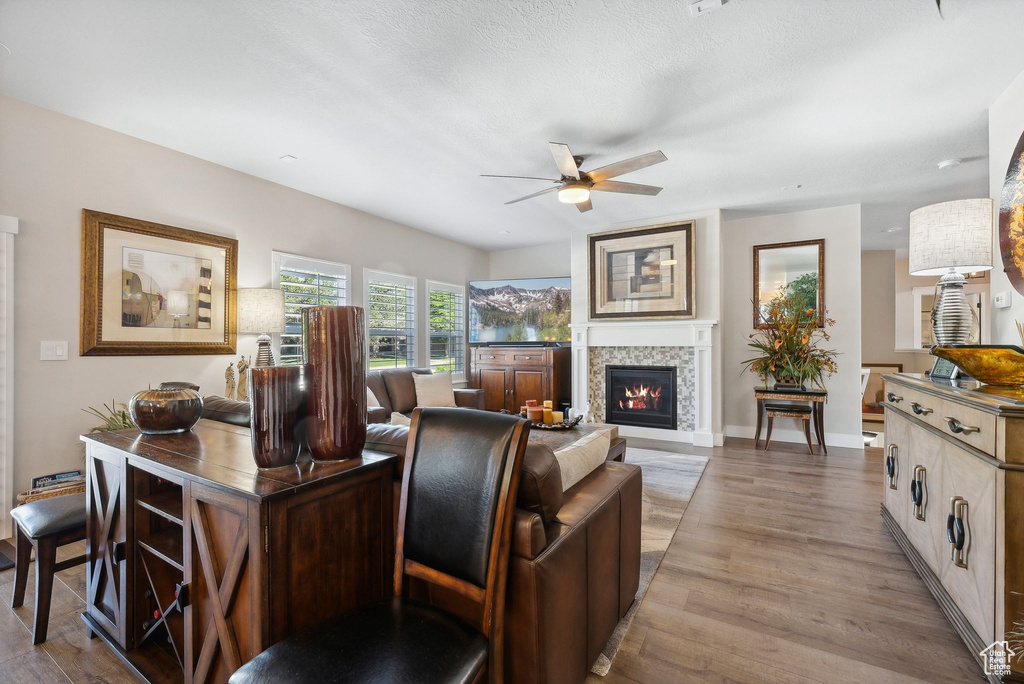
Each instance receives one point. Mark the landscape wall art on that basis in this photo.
(524, 310)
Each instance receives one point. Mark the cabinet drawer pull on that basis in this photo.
(958, 428)
(117, 552)
(527, 357)
(917, 491)
(890, 465)
(918, 409)
(894, 399)
(956, 531)
(491, 357)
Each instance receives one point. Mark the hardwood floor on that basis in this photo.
(781, 571)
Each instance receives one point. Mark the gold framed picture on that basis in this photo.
(643, 273)
(151, 289)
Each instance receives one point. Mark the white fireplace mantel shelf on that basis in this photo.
(694, 333)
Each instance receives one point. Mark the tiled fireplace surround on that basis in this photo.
(683, 344)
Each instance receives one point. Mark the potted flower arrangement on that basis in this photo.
(789, 346)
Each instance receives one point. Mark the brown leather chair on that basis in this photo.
(461, 475)
(396, 392)
(575, 564)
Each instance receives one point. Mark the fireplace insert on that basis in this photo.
(644, 396)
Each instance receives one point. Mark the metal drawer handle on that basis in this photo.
(890, 465)
(893, 398)
(527, 357)
(918, 409)
(958, 428)
(956, 531)
(917, 491)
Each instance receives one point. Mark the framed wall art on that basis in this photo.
(643, 273)
(874, 390)
(1011, 219)
(151, 289)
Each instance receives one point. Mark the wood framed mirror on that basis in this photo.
(792, 270)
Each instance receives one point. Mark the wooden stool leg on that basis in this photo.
(46, 558)
(23, 556)
(768, 437)
(807, 434)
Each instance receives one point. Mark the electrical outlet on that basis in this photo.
(53, 351)
(1001, 300)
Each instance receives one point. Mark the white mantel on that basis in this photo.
(676, 333)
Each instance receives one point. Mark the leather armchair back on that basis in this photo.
(458, 460)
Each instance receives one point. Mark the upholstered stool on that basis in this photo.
(802, 413)
(45, 525)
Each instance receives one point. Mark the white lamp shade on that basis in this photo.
(260, 310)
(952, 235)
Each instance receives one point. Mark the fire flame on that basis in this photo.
(641, 397)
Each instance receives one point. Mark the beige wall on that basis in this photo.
(886, 309)
(53, 166)
(840, 226)
(542, 261)
(1005, 127)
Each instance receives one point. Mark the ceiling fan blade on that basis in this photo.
(542, 192)
(584, 206)
(627, 188)
(627, 166)
(493, 175)
(563, 159)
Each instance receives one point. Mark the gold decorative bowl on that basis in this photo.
(1001, 365)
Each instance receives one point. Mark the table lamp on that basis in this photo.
(178, 305)
(950, 239)
(260, 312)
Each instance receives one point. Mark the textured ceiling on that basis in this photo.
(396, 106)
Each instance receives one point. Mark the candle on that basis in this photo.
(531, 402)
(522, 411)
(535, 413)
(556, 417)
(547, 415)
(549, 404)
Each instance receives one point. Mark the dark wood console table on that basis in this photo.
(198, 561)
(816, 399)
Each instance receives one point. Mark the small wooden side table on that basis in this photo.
(816, 399)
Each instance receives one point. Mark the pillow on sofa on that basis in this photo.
(399, 419)
(577, 460)
(371, 399)
(434, 390)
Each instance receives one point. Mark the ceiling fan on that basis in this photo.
(575, 186)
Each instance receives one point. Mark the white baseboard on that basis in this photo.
(655, 433)
(796, 436)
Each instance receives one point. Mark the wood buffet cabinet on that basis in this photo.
(511, 375)
(197, 561)
(954, 500)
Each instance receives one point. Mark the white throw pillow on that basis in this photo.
(398, 419)
(580, 458)
(371, 399)
(434, 390)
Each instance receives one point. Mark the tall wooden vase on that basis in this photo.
(334, 351)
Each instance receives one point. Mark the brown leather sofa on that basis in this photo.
(396, 392)
(575, 564)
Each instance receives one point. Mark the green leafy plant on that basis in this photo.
(790, 345)
(114, 417)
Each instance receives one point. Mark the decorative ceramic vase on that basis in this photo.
(165, 411)
(333, 347)
(277, 413)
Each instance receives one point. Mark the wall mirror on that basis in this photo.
(793, 271)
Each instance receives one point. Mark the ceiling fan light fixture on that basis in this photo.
(574, 193)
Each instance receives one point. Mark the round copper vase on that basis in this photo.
(277, 412)
(165, 411)
(334, 341)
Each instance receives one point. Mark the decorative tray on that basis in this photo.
(564, 425)
(1000, 365)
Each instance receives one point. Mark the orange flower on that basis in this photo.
(778, 343)
(805, 338)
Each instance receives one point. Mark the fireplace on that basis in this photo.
(644, 396)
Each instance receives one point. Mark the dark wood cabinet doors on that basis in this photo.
(109, 558)
(509, 376)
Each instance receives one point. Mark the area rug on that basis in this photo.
(669, 482)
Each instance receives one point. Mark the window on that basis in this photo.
(391, 319)
(306, 282)
(447, 328)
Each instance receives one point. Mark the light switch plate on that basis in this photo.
(1001, 300)
(53, 350)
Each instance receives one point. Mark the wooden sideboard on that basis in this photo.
(954, 500)
(233, 559)
(511, 375)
